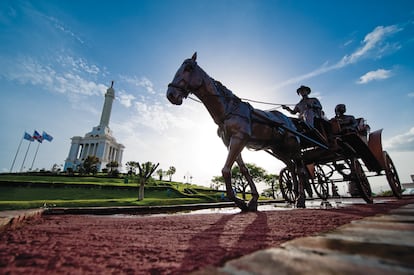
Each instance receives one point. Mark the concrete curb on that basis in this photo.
(134, 209)
(139, 210)
(14, 218)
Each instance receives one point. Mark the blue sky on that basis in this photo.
(57, 59)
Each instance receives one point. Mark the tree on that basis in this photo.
(90, 165)
(111, 165)
(217, 182)
(271, 181)
(171, 171)
(132, 167)
(145, 172)
(239, 182)
(56, 168)
(160, 174)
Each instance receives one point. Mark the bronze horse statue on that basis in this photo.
(239, 126)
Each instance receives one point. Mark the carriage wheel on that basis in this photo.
(321, 183)
(287, 185)
(392, 176)
(362, 182)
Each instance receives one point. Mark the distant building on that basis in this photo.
(99, 142)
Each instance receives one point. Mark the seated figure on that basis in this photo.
(347, 123)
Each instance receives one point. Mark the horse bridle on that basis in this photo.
(184, 90)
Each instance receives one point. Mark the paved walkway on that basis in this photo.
(381, 244)
(374, 245)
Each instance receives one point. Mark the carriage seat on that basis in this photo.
(350, 125)
(363, 129)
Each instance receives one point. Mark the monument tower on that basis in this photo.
(99, 142)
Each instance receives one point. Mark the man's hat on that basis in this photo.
(303, 88)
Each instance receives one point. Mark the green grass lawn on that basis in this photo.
(63, 179)
(92, 191)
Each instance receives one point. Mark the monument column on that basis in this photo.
(99, 142)
(106, 111)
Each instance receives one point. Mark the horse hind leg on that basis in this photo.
(252, 204)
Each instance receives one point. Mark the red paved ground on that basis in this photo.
(173, 244)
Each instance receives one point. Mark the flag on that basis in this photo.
(47, 137)
(37, 136)
(28, 137)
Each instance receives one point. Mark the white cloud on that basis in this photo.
(372, 46)
(160, 118)
(27, 70)
(401, 143)
(139, 82)
(374, 75)
(62, 28)
(347, 43)
(79, 65)
(371, 42)
(411, 94)
(125, 99)
(76, 84)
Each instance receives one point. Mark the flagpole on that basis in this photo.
(37, 149)
(18, 149)
(25, 155)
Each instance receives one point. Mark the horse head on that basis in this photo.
(187, 79)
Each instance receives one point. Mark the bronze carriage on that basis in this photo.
(306, 151)
(353, 155)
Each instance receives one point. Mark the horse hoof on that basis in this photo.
(242, 205)
(300, 205)
(252, 206)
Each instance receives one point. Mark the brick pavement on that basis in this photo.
(381, 244)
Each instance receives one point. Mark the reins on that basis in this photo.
(187, 93)
(278, 105)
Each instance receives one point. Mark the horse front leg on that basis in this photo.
(302, 177)
(252, 204)
(235, 147)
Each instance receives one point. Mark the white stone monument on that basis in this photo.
(99, 142)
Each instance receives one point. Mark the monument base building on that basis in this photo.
(99, 142)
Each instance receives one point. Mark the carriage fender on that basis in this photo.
(375, 146)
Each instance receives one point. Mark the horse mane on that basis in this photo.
(226, 93)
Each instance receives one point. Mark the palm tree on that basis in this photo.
(145, 172)
(160, 173)
(170, 172)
